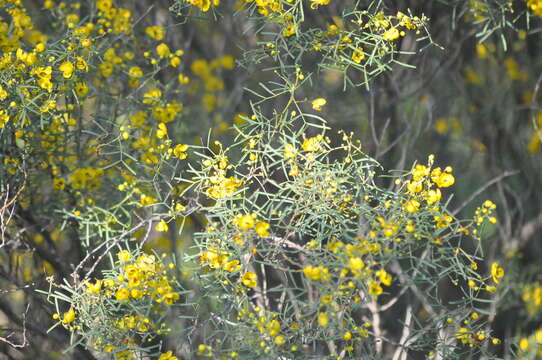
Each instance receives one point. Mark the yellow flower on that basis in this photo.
(122, 294)
(535, 6)
(289, 30)
(163, 50)
(152, 96)
(179, 151)
(318, 103)
(175, 61)
(232, 266)
(245, 221)
(49, 104)
(262, 228)
(67, 69)
(316, 3)
(290, 151)
(356, 264)
(58, 183)
(162, 131)
(312, 144)
(168, 356)
(433, 196)
(384, 277)
(442, 221)
(94, 288)
(227, 62)
(323, 319)
(358, 55)
(280, 340)
(155, 32)
(524, 344)
(162, 226)
(123, 255)
(464, 335)
(136, 293)
(375, 289)
(135, 72)
(412, 205)
(410, 226)
(497, 273)
(68, 316)
(316, 272)
(81, 64)
(3, 93)
(442, 178)
(81, 89)
(249, 279)
(419, 172)
(203, 5)
(391, 34)
(4, 118)
(272, 327)
(170, 298)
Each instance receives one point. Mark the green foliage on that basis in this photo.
(203, 180)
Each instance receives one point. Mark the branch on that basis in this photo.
(484, 188)
(24, 342)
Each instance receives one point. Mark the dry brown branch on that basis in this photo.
(7, 211)
(24, 342)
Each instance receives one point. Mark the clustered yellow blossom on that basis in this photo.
(354, 267)
(141, 287)
(471, 337)
(497, 273)
(535, 6)
(52, 80)
(86, 178)
(312, 144)
(424, 191)
(316, 272)
(267, 8)
(485, 212)
(316, 3)
(531, 344)
(268, 325)
(219, 185)
(208, 76)
(138, 278)
(532, 297)
(467, 336)
(424, 178)
(216, 259)
(393, 27)
(204, 5)
(249, 221)
(249, 279)
(318, 103)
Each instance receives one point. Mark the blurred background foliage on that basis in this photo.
(463, 83)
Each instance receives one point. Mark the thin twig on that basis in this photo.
(24, 343)
(484, 188)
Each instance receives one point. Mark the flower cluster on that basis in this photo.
(138, 291)
(532, 297)
(218, 184)
(535, 6)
